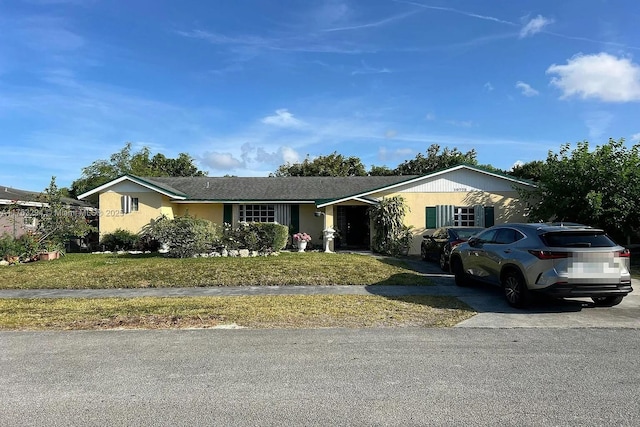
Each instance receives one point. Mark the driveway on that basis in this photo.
(494, 312)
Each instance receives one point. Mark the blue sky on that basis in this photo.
(245, 86)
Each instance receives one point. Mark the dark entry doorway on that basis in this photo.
(353, 223)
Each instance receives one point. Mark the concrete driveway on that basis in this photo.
(494, 312)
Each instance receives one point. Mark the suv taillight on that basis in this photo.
(548, 254)
(626, 253)
(456, 243)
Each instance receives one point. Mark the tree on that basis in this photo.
(139, 163)
(381, 171)
(390, 235)
(435, 160)
(531, 170)
(599, 188)
(332, 165)
(57, 221)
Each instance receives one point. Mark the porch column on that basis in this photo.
(328, 222)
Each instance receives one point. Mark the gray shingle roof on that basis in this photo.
(273, 188)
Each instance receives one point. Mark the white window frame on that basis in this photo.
(464, 216)
(129, 204)
(257, 213)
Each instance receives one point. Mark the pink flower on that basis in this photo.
(301, 237)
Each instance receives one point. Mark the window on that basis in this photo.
(464, 216)
(29, 221)
(257, 213)
(128, 204)
(506, 236)
(461, 216)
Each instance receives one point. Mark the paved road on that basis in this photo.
(406, 376)
(494, 312)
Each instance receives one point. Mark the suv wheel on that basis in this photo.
(461, 278)
(444, 264)
(515, 289)
(607, 301)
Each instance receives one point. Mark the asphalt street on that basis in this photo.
(343, 377)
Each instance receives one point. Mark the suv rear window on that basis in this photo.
(573, 239)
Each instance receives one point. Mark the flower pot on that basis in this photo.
(48, 256)
(302, 245)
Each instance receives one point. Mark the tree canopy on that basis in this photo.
(436, 160)
(332, 165)
(599, 187)
(138, 163)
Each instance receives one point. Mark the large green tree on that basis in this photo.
(332, 165)
(140, 163)
(531, 170)
(599, 187)
(435, 160)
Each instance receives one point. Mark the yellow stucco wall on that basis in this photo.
(213, 212)
(150, 206)
(506, 204)
(311, 224)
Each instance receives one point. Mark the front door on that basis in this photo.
(353, 224)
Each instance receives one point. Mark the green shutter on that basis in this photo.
(227, 214)
(488, 216)
(431, 217)
(295, 218)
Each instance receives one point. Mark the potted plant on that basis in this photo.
(50, 251)
(301, 240)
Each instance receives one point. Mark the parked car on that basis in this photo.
(437, 246)
(558, 260)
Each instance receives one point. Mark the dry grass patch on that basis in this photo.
(86, 271)
(281, 311)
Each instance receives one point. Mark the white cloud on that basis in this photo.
(283, 118)
(601, 76)
(526, 89)
(221, 161)
(488, 87)
(430, 117)
(398, 153)
(460, 123)
(516, 164)
(534, 26)
(391, 133)
(635, 137)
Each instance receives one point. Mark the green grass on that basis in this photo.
(281, 311)
(87, 271)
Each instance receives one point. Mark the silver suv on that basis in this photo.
(557, 260)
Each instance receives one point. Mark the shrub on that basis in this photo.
(391, 236)
(255, 236)
(26, 246)
(185, 236)
(120, 240)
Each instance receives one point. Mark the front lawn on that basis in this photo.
(88, 271)
(281, 311)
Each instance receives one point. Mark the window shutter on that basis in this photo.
(478, 215)
(489, 216)
(125, 204)
(295, 218)
(444, 215)
(283, 214)
(227, 214)
(431, 217)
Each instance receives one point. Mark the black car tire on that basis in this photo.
(515, 289)
(444, 264)
(609, 301)
(461, 278)
(423, 253)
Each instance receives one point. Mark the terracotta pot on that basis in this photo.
(48, 256)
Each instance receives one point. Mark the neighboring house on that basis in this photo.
(20, 209)
(461, 195)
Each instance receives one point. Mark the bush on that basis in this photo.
(26, 246)
(120, 240)
(255, 236)
(185, 236)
